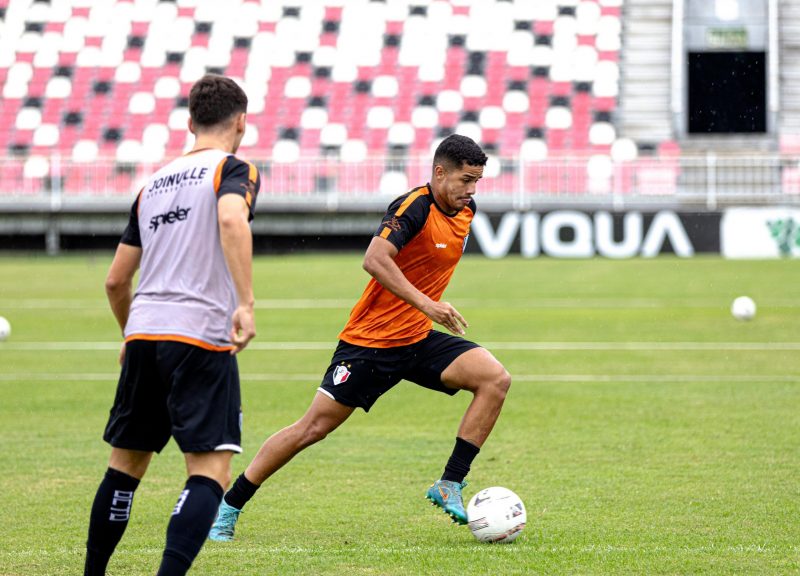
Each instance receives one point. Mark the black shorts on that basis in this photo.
(174, 389)
(358, 375)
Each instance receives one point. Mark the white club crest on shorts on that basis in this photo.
(341, 374)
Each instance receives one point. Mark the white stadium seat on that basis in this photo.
(424, 117)
(516, 101)
(314, 118)
(602, 134)
(286, 152)
(46, 135)
(449, 101)
(401, 133)
(558, 118)
(380, 117)
(28, 119)
(36, 167)
(142, 103)
(393, 183)
(333, 135)
(624, 150)
(385, 87)
(85, 151)
(298, 87)
(353, 151)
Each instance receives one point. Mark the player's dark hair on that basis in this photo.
(214, 99)
(457, 150)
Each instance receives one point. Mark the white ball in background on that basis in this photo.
(743, 308)
(5, 329)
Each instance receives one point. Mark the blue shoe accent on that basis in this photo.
(447, 495)
(222, 529)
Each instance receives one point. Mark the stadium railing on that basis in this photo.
(46, 184)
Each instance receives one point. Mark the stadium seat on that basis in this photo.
(358, 80)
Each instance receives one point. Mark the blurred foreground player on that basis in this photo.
(389, 336)
(189, 231)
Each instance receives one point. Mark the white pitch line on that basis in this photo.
(100, 304)
(577, 303)
(521, 346)
(544, 378)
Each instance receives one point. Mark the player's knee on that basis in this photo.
(313, 433)
(500, 384)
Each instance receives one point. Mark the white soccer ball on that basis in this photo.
(743, 308)
(496, 515)
(5, 329)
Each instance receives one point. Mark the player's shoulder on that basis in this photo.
(418, 198)
(232, 163)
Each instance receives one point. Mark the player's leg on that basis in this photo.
(112, 504)
(322, 417)
(450, 364)
(138, 420)
(208, 474)
(355, 378)
(479, 372)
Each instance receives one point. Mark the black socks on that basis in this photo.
(189, 525)
(109, 518)
(460, 460)
(241, 492)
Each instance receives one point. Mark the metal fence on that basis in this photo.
(326, 183)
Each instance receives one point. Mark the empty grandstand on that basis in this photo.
(590, 103)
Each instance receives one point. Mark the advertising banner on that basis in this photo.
(584, 234)
(760, 233)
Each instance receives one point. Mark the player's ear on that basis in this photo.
(190, 124)
(439, 172)
(241, 122)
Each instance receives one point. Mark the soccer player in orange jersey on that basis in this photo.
(389, 335)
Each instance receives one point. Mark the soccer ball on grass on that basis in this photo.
(5, 329)
(743, 308)
(496, 515)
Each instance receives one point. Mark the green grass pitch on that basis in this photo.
(647, 431)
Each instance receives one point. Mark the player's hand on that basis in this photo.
(445, 314)
(243, 329)
(122, 354)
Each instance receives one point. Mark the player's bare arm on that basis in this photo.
(119, 285)
(379, 263)
(237, 245)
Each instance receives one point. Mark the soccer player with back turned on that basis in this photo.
(389, 335)
(189, 234)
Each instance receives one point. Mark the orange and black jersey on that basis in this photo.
(430, 244)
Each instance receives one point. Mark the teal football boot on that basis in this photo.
(222, 529)
(446, 494)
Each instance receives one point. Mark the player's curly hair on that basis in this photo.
(457, 150)
(214, 99)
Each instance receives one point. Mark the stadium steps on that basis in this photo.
(789, 54)
(644, 102)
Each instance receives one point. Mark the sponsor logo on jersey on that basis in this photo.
(177, 215)
(392, 223)
(190, 175)
(441, 245)
(340, 374)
